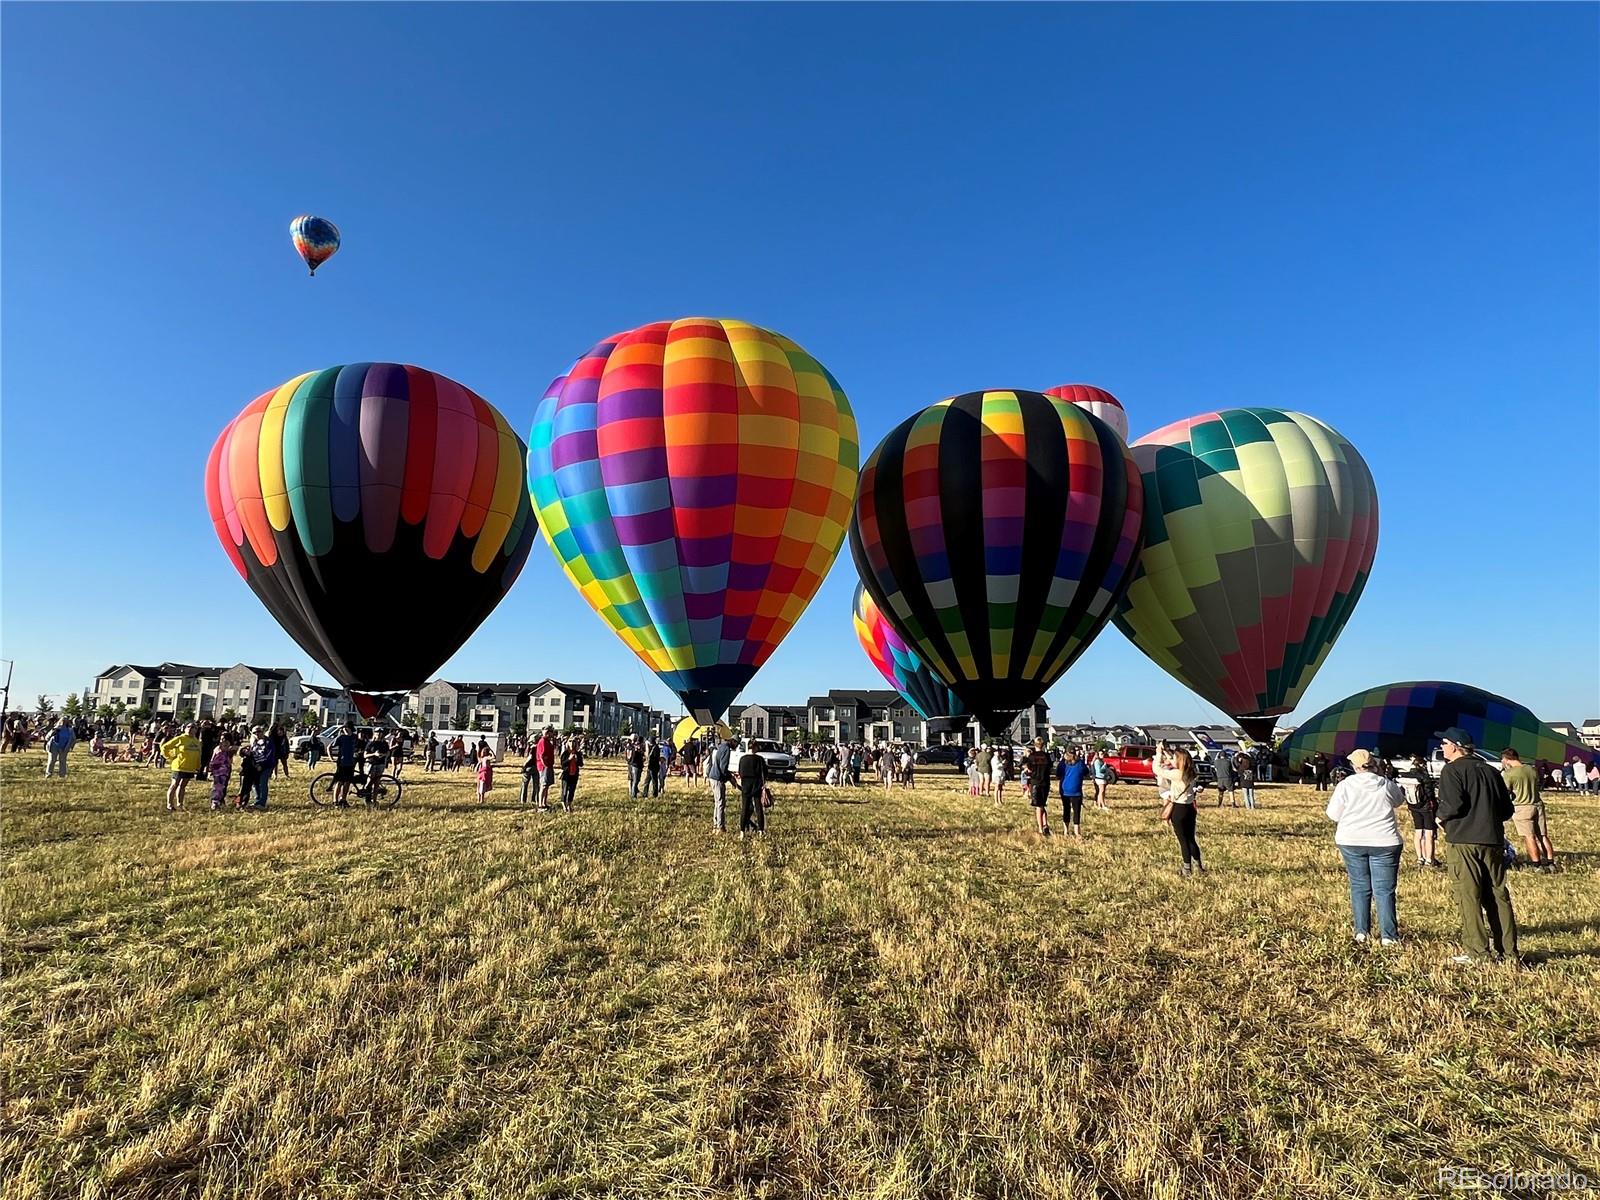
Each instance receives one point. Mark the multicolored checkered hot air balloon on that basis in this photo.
(694, 479)
(316, 239)
(1402, 718)
(899, 664)
(1096, 401)
(996, 531)
(378, 511)
(1260, 530)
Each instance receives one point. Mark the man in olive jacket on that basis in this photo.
(1474, 806)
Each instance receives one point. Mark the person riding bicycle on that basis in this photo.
(344, 748)
(377, 761)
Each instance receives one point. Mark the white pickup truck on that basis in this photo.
(780, 763)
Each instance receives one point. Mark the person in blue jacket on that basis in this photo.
(1070, 772)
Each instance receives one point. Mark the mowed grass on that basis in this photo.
(901, 995)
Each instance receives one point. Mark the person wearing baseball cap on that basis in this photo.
(1369, 841)
(1474, 806)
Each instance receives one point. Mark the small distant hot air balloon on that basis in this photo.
(906, 673)
(1096, 401)
(996, 532)
(316, 238)
(693, 478)
(1260, 530)
(353, 499)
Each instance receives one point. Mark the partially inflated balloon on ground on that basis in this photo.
(1095, 401)
(378, 511)
(690, 728)
(693, 478)
(996, 531)
(899, 664)
(1402, 719)
(1260, 531)
(315, 239)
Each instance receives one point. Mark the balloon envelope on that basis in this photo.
(995, 531)
(1401, 719)
(316, 239)
(694, 479)
(1095, 401)
(899, 664)
(690, 728)
(378, 511)
(1260, 531)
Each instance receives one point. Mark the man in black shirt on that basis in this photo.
(752, 778)
(1474, 807)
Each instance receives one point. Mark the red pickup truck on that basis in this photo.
(1136, 764)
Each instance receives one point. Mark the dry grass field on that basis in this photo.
(905, 995)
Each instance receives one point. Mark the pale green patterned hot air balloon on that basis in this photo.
(1260, 531)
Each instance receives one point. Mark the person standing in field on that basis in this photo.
(636, 760)
(280, 747)
(1369, 841)
(545, 753)
(1070, 773)
(999, 772)
(1175, 770)
(315, 749)
(719, 772)
(430, 754)
(752, 779)
(1527, 811)
(346, 749)
(652, 768)
(1244, 777)
(1223, 766)
(485, 776)
(221, 767)
(57, 744)
(1474, 806)
(182, 752)
(984, 759)
(1038, 770)
(571, 768)
(1100, 775)
(1421, 802)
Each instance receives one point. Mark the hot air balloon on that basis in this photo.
(1402, 719)
(996, 531)
(1096, 401)
(693, 478)
(316, 238)
(906, 673)
(378, 511)
(1260, 530)
(690, 728)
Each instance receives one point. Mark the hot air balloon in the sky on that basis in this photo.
(1401, 719)
(694, 478)
(316, 239)
(906, 673)
(378, 511)
(996, 531)
(1097, 401)
(1260, 530)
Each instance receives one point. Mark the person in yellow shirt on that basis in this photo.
(182, 752)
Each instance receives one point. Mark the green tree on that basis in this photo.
(142, 713)
(519, 727)
(105, 713)
(229, 715)
(186, 713)
(46, 705)
(72, 706)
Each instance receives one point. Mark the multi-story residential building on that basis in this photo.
(442, 703)
(1589, 732)
(871, 716)
(775, 721)
(166, 690)
(261, 694)
(322, 705)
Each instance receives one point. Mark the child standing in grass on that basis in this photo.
(485, 775)
(221, 771)
(182, 751)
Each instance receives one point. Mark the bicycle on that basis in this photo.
(385, 791)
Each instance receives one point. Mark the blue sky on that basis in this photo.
(1380, 215)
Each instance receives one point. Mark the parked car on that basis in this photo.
(1136, 764)
(956, 756)
(780, 763)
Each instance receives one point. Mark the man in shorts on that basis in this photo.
(1039, 779)
(346, 750)
(1527, 812)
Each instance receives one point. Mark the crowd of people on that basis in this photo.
(1469, 801)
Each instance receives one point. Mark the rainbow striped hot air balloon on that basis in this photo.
(1260, 531)
(996, 531)
(1095, 401)
(693, 477)
(315, 238)
(378, 511)
(899, 664)
(1402, 719)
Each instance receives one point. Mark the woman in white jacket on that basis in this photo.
(1369, 841)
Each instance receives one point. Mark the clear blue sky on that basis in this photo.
(1384, 216)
